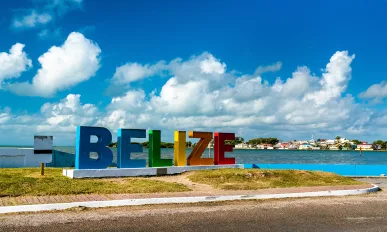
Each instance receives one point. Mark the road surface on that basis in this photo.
(351, 213)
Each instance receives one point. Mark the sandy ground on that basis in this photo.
(183, 179)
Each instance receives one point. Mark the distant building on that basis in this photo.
(334, 147)
(242, 146)
(365, 147)
(330, 142)
(293, 146)
(281, 146)
(343, 140)
(265, 146)
(260, 146)
(305, 146)
(323, 146)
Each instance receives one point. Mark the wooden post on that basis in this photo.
(42, 169)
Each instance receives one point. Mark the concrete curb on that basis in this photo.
(179, 200)
(367, 177)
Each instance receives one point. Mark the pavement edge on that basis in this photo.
(179, 200)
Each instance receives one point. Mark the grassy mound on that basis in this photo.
(252, 179)
(28, 182)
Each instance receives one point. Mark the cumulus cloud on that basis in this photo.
(68, 113)
(200, 93)
(375, 92)
(55, 118)
(132, 72)
(43, 13)
(335, 78)
(15, 62)
(77, 60)
(211, 65)
(132, 101)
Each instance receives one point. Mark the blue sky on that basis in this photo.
(287, 69)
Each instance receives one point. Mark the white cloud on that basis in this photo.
(376, 91)
(132, 72)
(31, 20)
(15, 62)
(55, 118)
(61, 7)
(268, 68)
(77, 60)
(68, 113)
(4, 117)
(132, 101)
(191, 99)
(211, 65)
(43, 13)
(215, 99)
(335, 78)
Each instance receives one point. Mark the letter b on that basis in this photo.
(84, 147)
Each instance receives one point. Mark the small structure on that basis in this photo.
(281, 146)
(305, 146)
(293, 146)
(28, 157)
(343, 140)
(265, 146)
(365, 147)
(242, 146)
(334, 147)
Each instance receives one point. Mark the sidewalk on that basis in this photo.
(35, 200)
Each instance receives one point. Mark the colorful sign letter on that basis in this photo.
(84, 147)
(179, 154)
(220, 148)
(154, 150)
(197, 151)
(125, 147)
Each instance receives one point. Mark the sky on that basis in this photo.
(285, 69)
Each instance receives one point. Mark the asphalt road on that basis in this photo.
(351, 213)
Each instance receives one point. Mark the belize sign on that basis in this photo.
(124, 148)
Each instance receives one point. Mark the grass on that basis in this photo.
(28, 182)
(253, 179)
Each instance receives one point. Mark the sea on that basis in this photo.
(254, 156)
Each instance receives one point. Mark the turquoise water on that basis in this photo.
(277, 156)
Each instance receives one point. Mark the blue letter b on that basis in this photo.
(84, 147)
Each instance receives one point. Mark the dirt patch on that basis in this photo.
(183, 179)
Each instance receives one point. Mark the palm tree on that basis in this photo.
(347, 145)
(338, 139)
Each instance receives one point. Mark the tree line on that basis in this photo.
(257, 141)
